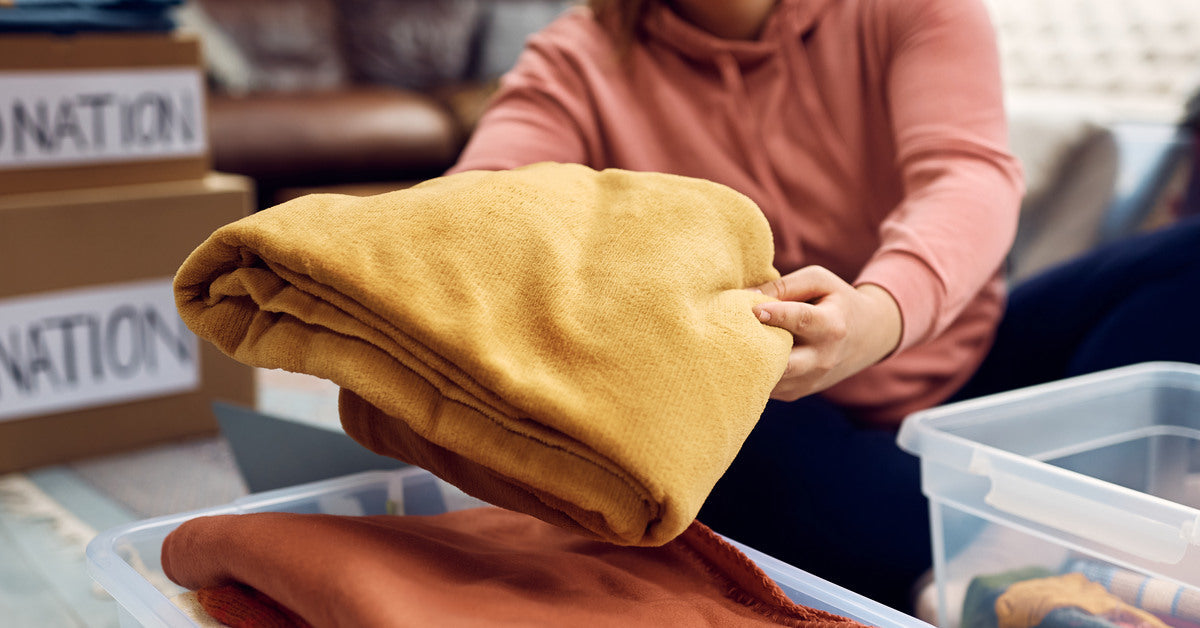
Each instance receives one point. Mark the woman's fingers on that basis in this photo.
(804, 320)
(806, 284)
(798, 292)
(838, 329)
(803, 371)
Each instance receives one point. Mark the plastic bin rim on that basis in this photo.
(919, 427)
(1027, 490)
(138, 597)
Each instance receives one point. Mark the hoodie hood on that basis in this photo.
(781, 46)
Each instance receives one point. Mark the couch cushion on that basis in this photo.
(354, 134)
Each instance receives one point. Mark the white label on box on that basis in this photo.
(82, 348)
(80, 117)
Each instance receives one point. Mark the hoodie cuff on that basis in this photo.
(916, 289)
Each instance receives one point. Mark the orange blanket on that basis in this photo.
(485, 566)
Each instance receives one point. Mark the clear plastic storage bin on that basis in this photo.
(1097, 475)
(125, 559)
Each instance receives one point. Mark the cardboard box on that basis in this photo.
(93, 356)
(91, 110)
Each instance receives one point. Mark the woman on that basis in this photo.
(872, 135)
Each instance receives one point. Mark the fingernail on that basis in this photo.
(764, 315)
(756, 290)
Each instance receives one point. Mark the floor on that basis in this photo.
(48, 515)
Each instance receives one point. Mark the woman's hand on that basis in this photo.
(838, 329)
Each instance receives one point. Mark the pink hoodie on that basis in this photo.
(871, 133)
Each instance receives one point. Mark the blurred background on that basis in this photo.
(311, 93)
(288, 97)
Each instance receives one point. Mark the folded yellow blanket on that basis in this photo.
(572, 344)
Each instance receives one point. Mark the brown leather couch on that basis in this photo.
(358, 96)
(292, 142)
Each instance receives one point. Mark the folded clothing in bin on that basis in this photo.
(573, 344)
(466, 567)
(1035, 597)
(1176, 604)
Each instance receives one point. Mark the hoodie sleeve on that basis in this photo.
(962, 188)
(541, 110)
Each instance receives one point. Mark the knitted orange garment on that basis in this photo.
(464, 568)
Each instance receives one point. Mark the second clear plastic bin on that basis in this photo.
(1096, 476)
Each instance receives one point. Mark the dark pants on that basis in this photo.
(844, 503)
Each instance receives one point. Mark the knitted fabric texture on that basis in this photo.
(484, 566)
(239, 606)
(573, 344)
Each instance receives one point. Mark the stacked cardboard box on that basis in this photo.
(87, 110)
(104, 190)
